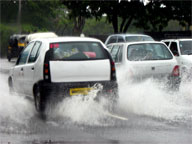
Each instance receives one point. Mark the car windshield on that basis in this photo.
(77, 51)
(186, 47)
(148, 51)
(138, 38)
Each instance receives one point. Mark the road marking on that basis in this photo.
(116, 116)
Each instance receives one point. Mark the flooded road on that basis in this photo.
(145, 113)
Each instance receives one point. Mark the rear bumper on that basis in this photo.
(61, 90)
(170, 81)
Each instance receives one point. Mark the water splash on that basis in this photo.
(151, 99)
(84, 109)
(15, 110)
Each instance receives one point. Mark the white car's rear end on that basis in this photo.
(141, 60)
(155, 69)
(80, 71)
(78, 65)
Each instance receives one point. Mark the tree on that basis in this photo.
(119, 13)
(36, 13)
(180, 10)
(158, 13)
(78, 13)
(122, 12)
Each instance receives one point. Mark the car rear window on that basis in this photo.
(148, 51)
(138, 38)
(77, 51)
(186, 47)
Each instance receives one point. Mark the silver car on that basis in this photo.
(116, 38)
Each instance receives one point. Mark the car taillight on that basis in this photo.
(46, 71)
(54, 45)
(113, 71)
(175, 71)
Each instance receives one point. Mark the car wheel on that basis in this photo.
(39, 98)
(11, 90)
(9, 57)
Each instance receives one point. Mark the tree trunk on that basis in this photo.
(122, 25)
(79, 25)
(128, 24)
(115, 22)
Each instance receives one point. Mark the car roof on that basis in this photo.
(139, 42)
(179, 39)
(33, 36)
(68, 39)
(167, 40)
(127, 34)
(188, 39)
(17, 36)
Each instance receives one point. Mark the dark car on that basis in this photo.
(117, 38)
(16, 45)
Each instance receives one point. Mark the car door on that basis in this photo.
(30, 68)
(18, 70)
(117, 55)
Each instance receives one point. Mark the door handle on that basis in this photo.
(32, 68)
(21, 69)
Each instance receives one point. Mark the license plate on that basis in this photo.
(79, 91)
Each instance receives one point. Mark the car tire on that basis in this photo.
(39, 99)
(10, 82)
(9, 58)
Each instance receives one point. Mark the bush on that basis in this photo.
(28, 28)
(5, 32)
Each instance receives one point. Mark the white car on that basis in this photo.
(36, 35)
(117, 38)
(182, 49)
(65, 66)
(140, 60)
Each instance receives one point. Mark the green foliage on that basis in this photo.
(62, 24)
(95, 27)
(9, 10)
(28, 28)
(173, 25)
(121, 14)
(5, 32)
(39, 13)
